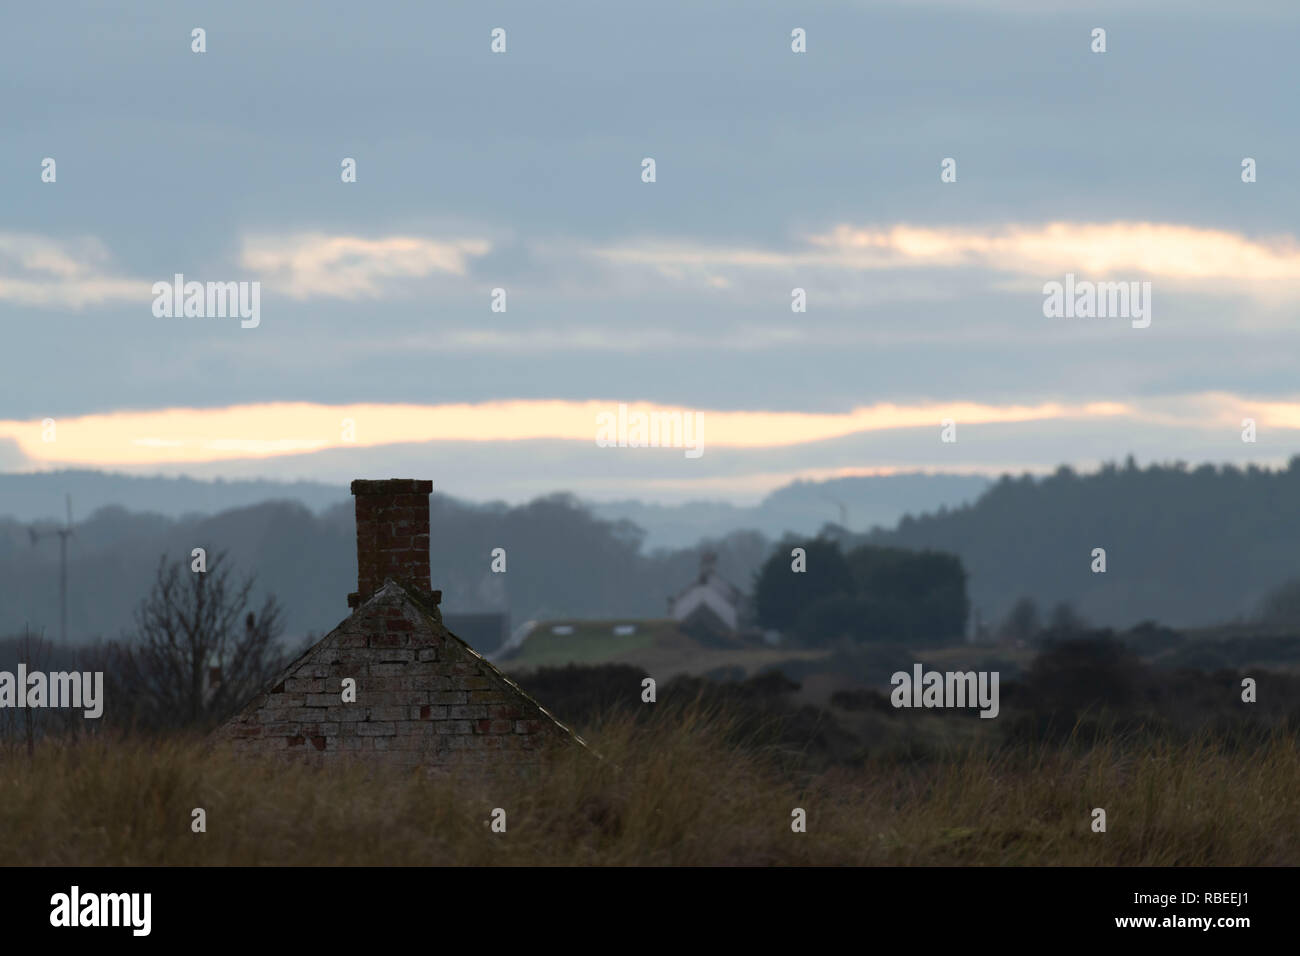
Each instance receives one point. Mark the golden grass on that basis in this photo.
(671, 791)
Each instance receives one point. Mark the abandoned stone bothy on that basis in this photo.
(391, 684)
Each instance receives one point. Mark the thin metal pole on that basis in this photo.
(63, 589)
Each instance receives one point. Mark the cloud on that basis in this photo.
(594, 338)
(1151, 249)
(47, 272)
(1169, 251)
(11, 456)
(42, 271)
(188, 435)
(62, 273)
(312, 265)
(518, 450)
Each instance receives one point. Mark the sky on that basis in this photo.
(376, 350)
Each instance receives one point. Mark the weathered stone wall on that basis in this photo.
(423, 698)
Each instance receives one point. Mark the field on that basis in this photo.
(683, 787)
(658, 647)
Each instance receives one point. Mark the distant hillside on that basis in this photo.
(561, 561)
(803, 507)
(40, 495)
(1188, 547)
(1183, 546)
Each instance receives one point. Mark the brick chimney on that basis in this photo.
(392, 535)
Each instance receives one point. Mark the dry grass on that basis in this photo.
(673, 791)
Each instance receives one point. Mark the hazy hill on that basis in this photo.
(38, 496)
(801, 507)
(561, 561)
(1184, 546)
(1188, 547)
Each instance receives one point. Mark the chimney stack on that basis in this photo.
(392, 535)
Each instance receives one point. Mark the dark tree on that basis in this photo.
(1281, 607)
(885, 595)
(1023, 621)
(912, 597)
(199, 652)
(1065, 619)
(782, 594)
(1084, 672)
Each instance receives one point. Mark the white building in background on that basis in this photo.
(710, 603)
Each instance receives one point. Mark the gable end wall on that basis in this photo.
(424, 699)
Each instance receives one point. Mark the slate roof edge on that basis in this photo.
(434, 613)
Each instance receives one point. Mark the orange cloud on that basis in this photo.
(189, 435)
(1156, 249)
